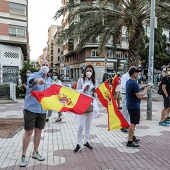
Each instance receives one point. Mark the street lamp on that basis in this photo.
(151, 61)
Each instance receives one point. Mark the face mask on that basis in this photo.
(54, 77)
(44, 69)
(118, 75)
(168, 72)
(88, 74)
(28, 75)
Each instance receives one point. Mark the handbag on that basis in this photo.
(89, 109)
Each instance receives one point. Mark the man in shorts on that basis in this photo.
(133, 96)
(34, 115)
(166, 96)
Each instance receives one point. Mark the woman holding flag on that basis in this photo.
(87, 85)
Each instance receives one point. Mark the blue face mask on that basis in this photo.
(27, 75)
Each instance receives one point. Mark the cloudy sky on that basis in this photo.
(40, 17)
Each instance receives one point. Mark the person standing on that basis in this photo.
(87, 85)
(55, 80)
(166, 97)
(34, 114)
(125, 77)
(134, 96)
(117, 89)
(24, 86)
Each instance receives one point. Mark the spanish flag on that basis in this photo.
(63, 99)
(114, 83)
(115, 118)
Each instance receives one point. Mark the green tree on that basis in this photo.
(27, 66)
(107, 18)
(161, 57)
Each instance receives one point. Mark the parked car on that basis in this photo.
(66, 79)
(107, 76)
(61, 76)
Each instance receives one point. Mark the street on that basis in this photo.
(59, 139)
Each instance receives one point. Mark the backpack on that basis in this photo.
(160, 91)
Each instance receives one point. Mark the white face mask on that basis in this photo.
(168, 72)
(44, 69)
(88, 74)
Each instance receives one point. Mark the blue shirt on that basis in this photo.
(31, 103)
(132, 102)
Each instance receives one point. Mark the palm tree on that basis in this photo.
(107, 18)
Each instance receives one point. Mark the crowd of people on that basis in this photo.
(127, 93)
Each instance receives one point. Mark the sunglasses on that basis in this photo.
(45, 65)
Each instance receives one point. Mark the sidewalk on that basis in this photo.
(110, 153)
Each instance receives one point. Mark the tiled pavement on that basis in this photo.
(59, 139)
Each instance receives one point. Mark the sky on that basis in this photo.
(40, 18)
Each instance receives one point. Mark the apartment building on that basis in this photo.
(75, 63)
(14, 45)
(50, 55)
(58, 61)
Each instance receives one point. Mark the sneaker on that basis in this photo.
(23, 162)
(135, 139)
(124, 130)
(88, 146)
(132, 145)
(38, 156)
(77, 149)
(167, 122)
(163, 124)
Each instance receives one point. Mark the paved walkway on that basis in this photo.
(59, 139)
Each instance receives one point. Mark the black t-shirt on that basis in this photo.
(166, 81)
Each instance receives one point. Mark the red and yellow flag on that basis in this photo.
(114, 83)
(63, 99)
(115, 118)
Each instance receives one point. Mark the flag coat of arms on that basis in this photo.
(63, 99)
(115, 118)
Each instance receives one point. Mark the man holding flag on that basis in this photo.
(34, 114)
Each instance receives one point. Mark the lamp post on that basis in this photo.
(151, 61)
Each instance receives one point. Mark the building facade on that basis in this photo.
(14, 45)
(58, 61)
(103, 62)
(50, 55)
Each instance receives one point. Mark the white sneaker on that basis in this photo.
(23, 162)
(38, 156)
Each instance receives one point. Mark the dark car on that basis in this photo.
(107, 76)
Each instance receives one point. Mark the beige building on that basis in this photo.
(50, 55)
(58, 61)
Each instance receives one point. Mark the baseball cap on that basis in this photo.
(133, 70)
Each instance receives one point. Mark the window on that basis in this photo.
(124, 37)
(110, 41)
(58, 50)
(109, 54)
(58, 58)
(119, 54)
(17, 9)
(96, 39)
(94, 53)
(17, 31)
